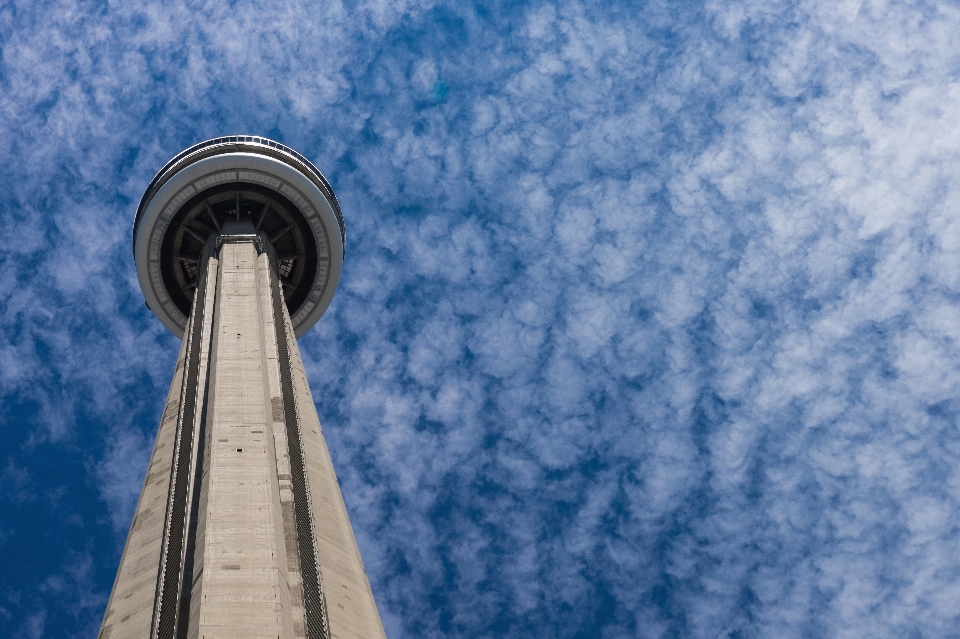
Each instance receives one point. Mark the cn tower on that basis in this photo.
(240, 530)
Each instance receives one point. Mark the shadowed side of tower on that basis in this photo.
(241, 529)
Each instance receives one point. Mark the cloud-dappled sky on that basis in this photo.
(649, 323)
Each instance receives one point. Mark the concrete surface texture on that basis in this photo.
(241, 529)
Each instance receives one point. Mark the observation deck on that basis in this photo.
(218, 186)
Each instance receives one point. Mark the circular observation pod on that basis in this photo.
(251, 180)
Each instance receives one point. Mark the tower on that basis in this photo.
(240, 530)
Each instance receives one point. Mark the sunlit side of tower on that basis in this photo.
(240, 530)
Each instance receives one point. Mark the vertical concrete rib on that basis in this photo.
(293, 594)
(190, 592)
(167, 604)
(130, 607)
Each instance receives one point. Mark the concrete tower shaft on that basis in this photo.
(241, 529)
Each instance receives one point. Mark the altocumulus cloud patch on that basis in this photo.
(648, 321)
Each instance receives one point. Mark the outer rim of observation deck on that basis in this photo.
(188, 174)
(234, 144)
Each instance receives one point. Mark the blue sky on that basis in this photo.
(648, 324)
